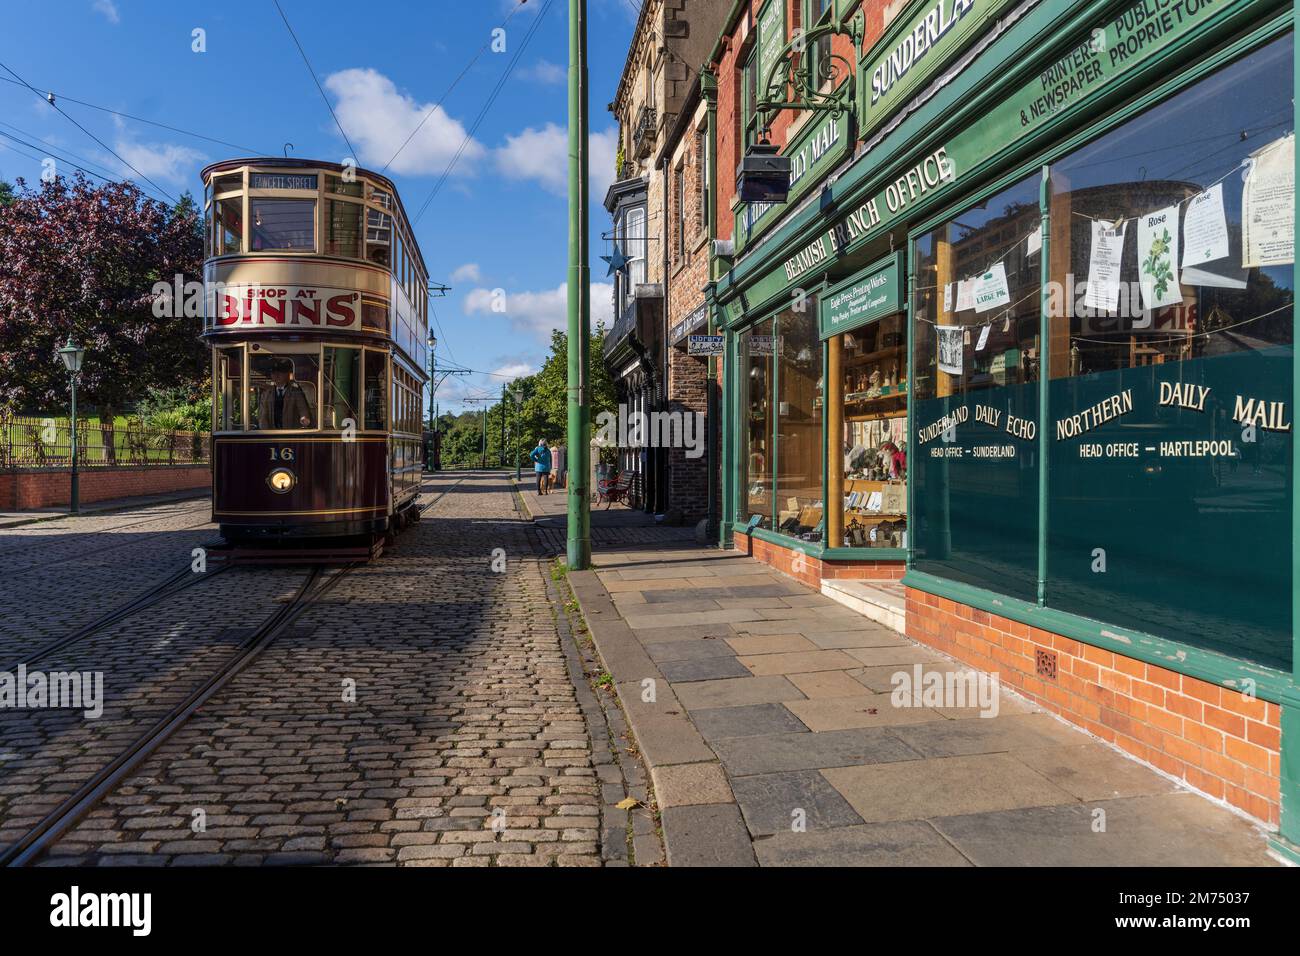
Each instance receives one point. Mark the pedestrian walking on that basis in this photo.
(541, 456)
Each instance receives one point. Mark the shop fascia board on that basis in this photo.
(1053, 26)
(1269, 684)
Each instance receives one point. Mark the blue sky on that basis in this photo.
(498, 222)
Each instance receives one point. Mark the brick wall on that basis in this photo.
(23, 490)
(809, 570)
(787, 123)
(688, 274)
(1212, 738)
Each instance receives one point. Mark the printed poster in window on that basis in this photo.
(991, 289)
(1158, 258)
(1103, 265)
(1268, 206)
(1205, 231)
(950, 339)
(965, 295)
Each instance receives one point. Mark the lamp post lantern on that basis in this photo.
(71, 355)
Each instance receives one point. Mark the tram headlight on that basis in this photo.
(281, 480)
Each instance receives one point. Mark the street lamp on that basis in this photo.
(72, 355)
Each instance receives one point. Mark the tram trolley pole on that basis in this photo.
(578, 550)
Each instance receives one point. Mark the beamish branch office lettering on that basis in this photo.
(918, 42)
(805, 259)
(285, 307)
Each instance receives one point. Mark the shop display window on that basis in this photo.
(799, 408)
(1172, 291)
(873, 442)
(756, 362)
(974, 454)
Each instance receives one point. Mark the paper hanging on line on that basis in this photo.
(984, 338)
(1158, 258)
(1034, 243)
(1103, 265)
(965, 295)
(947, 296)
(991, 289)
(950, 342)
(1268, 206)
(1205, 230)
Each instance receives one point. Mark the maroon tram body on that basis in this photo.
(316, 305)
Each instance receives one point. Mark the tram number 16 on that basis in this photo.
(281, 454)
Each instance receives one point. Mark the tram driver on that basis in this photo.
(283, 403)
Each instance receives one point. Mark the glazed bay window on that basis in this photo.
(1172, 290)
(974, 457)
(755, 351)
(799, 407)
(228, 226)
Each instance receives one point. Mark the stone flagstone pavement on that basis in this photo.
(764, 713)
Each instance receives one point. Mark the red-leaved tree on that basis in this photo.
(81, 260)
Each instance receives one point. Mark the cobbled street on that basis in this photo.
(430, 709)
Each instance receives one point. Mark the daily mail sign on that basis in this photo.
(283, 307)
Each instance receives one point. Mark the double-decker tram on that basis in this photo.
(316, 301)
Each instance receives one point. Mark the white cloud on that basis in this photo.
(469, 272)
(543, 155)
(378, 119)
(538, 313)
(515, 370)
(165, 161)
(544, 71)
(108, 9)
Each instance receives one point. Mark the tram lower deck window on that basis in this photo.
(282, 224)
(282, 391)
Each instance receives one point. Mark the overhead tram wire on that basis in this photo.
(487, 106)
(351, 149)
(52, 153)
(52, 100)
(63, 97)
(442, 99)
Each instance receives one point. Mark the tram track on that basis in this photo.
(32, 844)
(34, 538)
(168, 587)
(42, 565)
(73, 808)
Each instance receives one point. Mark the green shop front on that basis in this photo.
(1035, 345)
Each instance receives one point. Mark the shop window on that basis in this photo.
(872, 388)
(974, 456)
(282, 388)
(799, 408)
(342, 383)
(756, 363)
(282, 224)
(1171, 301)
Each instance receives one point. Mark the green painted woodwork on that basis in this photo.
(871, 294)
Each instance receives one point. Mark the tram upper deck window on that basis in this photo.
(282, 224)
(379, 237)
(343, 228)
(282, 390)
(342, 387)
(231, 182)
(228, 226)
(335, 184)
